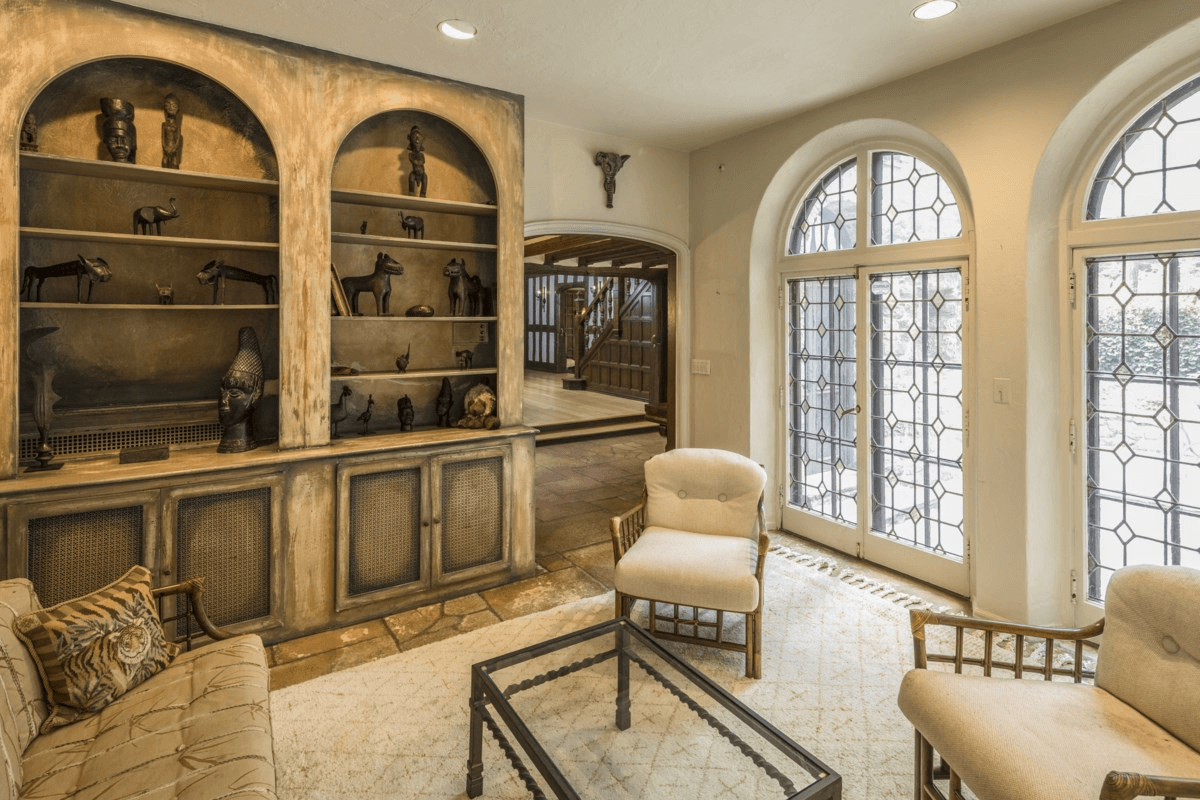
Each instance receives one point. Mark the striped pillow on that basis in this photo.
(93, 649)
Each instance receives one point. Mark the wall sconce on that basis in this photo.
(543, 296)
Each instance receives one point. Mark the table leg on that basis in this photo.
(475, 757)
(622, 678)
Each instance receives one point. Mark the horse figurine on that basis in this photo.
(378, 283)
(413, 226)
(215, 273)
(460, 284)
(95, 269)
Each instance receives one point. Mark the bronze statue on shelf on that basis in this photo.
(241, 389)
(404, 410)
(94, 269)
(120, 135)
(146, 216)
(419, 311)
(44, 397)
(29, 142)
(365, 416)
(414, 226)
(459, 288)
(172, 133)
(363, 228)
(215, 273)
(479, 408)
(402, 360)
(464, 358)
(166, 294)
(610, 164)
(339, 411)
(445, 400)
(378, 283)
(417, 179)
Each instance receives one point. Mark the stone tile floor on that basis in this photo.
(579, 486)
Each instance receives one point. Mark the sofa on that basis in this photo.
(1059, 731)
(198, 728)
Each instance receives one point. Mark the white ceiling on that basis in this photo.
(680, 74)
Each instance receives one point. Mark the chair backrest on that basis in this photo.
(23, 707)
(1150, 654)
(704, 491)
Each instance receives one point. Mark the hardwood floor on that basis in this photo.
(548, 403)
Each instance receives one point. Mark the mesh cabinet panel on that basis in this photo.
(385, 530)
(472, 513)
(73, 554)
(226, 538)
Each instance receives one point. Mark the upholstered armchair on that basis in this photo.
(1063, 731)
(694, 547)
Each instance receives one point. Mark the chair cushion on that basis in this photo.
(24, 707)
(692, 569)
(199, 729)
(1015, 739)
(704, 490)
(1150, 656)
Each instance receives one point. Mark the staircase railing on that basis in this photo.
(602, 331)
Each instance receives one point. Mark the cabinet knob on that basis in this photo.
(436, 521)
(167, 571)
(424, 523)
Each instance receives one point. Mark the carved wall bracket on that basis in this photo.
(610, 164)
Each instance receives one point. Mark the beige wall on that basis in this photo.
(1015, 117)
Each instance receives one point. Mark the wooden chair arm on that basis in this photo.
(627, 528)
(192, 606)
(919, 619)
(1127, 785)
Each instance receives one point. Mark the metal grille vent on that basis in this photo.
(472, 513)
(385, 530)
(73, 554)
(112, 441)
(226, 538)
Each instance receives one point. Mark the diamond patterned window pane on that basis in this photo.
(826, 220)
(1143, 424)
(917, 411)
(822, 398)
(1152, 169)
(910, 201)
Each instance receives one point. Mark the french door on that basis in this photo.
(876, 423)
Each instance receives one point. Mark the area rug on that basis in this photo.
(835, 647)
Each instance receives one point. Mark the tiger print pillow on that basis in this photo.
(93, 649)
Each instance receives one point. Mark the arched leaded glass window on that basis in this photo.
(827, 216)
(1154, 168)
(910, 201)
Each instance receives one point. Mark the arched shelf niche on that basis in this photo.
(132, 369)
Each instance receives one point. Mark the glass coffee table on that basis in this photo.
(608, 712)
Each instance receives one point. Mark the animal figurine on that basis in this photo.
(445, 400)
(166, 294)
(464, 358)
(146, 216)
(479, 408)
(474, 290)
(215, 273)
(413, 226)
(339, 411)
(610, 164)
(402, 361)
(95, 269)
(456, 271)
(404, 410)
(378, 283)
(365, 417)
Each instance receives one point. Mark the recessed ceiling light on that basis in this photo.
(934, 9)
(457, 29)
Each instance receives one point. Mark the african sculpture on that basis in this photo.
(378, 283)
(120, 135)
(417, 179)
(459, 289)
(402, 360)
(94, 269)
(215, 273)
(44, 396)
(365, 416)
(146, 216)
(464, 358)
(479, 408)
(29, 141)
(166, 295)
(610, 164)
(445, 400)
(413, 226)
(404, 410)
(339, 411)
(172, 135)
(241, 389)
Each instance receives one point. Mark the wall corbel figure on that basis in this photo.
(610, 164)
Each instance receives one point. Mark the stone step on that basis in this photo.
(594, 429)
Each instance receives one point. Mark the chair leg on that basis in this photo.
(753, 645)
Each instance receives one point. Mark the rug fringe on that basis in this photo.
(848, 576)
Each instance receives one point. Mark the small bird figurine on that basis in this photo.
(365, 417)
(339, 411)
(402, 361)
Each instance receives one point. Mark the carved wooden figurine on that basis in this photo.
(402, 360)
(413, 226)
(29, 142)
(404, 410)
(445, 400)
(459, 289)
(215, 273)
(610, 164)
(378, 283)
(146, 216)
(94, 269)
(464, 358)
(172, 134)
(120, 135)
(365, 416)
(166, 295)
(418, 181)
(241, 389)
(339, 411)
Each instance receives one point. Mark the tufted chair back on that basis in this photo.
(704, 491)
(1150, 655)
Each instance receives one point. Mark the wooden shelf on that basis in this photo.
(414, 374)
(398, 317)
(101, 237)
(150, 307)
(68, 165)
(408, 202)
(421, 244)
